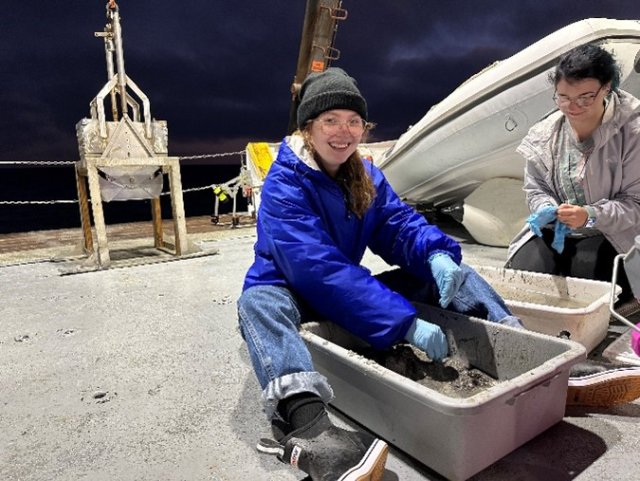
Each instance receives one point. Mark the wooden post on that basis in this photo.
(177, 207)
(156, 215)
(85, 214)
(98, 215)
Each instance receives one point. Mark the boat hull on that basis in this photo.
(471, 136)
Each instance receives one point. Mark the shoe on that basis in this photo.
(587, 368)
(329, 453)
(627, 308)
(595, 385)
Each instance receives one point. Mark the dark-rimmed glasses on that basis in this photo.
(583, 101)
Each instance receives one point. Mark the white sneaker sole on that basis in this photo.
(603, 389)
(371, 466)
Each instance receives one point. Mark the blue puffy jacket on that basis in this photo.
(310, 242)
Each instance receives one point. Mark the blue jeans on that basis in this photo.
(474, 298)
(270, 317)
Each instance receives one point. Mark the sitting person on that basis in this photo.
(582, 174)
(322, 206)
(582, 185)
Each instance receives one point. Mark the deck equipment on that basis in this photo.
(124, 158)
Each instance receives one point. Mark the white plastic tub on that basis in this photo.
(456, 437)
(551, 304)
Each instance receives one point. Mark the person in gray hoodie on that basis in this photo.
(582, 174)
(582, 185)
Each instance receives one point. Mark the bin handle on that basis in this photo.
(545, 383)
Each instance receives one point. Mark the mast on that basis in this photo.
(316, 46)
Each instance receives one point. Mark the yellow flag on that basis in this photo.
(261, 157)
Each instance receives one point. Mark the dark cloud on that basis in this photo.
(219, 72)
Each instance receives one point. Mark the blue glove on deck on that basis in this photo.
(448, 277)
(429, 338)
(561, 231)
(541, 217)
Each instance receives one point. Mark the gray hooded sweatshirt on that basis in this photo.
(612, 172)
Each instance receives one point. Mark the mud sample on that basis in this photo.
(452, 377)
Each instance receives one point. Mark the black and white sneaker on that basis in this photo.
(329, 453)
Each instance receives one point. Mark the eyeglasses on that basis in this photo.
(330, 125)
(582, 101)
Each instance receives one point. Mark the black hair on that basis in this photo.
(587, 61)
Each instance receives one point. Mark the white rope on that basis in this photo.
(71, 162)
(37, 162)
(211, 156)
(37, 202)
(75, 201)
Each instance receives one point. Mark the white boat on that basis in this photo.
(470, 137)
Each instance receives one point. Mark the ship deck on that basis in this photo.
(140, 372)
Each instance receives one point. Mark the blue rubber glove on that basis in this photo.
(429, 338)
(561, 231)
(448, 277)
(541, 217)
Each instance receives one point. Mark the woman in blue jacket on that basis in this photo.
(321, 206)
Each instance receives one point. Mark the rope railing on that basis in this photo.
(71, 162)
(37, 162)
(37, 202)
(210, 156)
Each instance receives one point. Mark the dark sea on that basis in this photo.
(45, 183)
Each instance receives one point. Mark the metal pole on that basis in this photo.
(316, 46)
(122, 79)
(308, 27)
(107, 35)
(108, 50)
(612, 297)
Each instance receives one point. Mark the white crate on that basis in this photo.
(456, 437)
(550, 304)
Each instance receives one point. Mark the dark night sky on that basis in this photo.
(219, 71)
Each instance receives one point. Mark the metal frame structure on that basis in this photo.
(131, 146)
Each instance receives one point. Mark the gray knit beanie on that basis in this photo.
(328, 90)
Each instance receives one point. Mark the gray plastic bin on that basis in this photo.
(456, 437)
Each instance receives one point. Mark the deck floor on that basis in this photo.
(196, 226)
(141, 374)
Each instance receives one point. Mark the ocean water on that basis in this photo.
(26, 183)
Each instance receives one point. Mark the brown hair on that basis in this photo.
(352, 178)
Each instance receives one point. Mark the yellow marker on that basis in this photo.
(220, 194)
